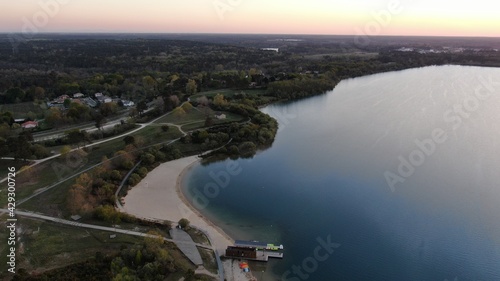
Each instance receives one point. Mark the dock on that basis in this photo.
(266, 255)
(254, 250)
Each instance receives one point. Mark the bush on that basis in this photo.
(143, 171)
(184, 223)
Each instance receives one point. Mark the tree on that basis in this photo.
(202, 101)
(67, 103)
(75, 136)
(149, 83)
(99, 121)
(141, 106)
(108, 213)
(219, 100)
(108, 109)
(14, 95)
(40, 151)
(31, 115)
(184, 223)
(39, 93)
(191, 87)
(65, 150)
(123, 159)
(175, 100)
(54, 117)
(209, 121)
(179, 112)
(187, 106)
(129, 140)
(153, 241)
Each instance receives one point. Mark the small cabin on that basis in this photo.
(220, 116)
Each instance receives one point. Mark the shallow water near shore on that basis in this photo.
(400, 170)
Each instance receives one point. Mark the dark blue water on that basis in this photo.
(322, 188)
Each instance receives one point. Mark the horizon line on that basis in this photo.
(234, 33)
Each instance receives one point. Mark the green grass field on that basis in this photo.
(195, 119)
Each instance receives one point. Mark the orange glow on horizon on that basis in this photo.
(446, 18)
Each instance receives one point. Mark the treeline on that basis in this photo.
(300, 88)
(246, 137)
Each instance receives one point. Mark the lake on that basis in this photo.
(393, 176)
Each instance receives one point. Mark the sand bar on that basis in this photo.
(158, 196)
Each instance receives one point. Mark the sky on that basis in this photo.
(335, 17)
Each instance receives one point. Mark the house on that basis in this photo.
(90, 102)
(127, 103)
(29, 125)
(220, 115)
(61, 99)
(79, 101)
(107, 99)
(76, 217)
(78, 95)
(241, 252)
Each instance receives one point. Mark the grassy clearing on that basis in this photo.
(198, 236)
(195, 118)
(209, 261)
(63, 244)
(192, 115)
(230, 117)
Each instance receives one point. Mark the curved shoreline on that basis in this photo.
(178, 189)
(159, 196)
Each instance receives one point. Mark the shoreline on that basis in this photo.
(159, 196)
(178, 189)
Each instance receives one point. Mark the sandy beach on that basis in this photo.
(159, 196)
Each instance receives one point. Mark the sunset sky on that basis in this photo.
(398, 17)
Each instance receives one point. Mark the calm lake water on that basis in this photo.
(399, 172)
